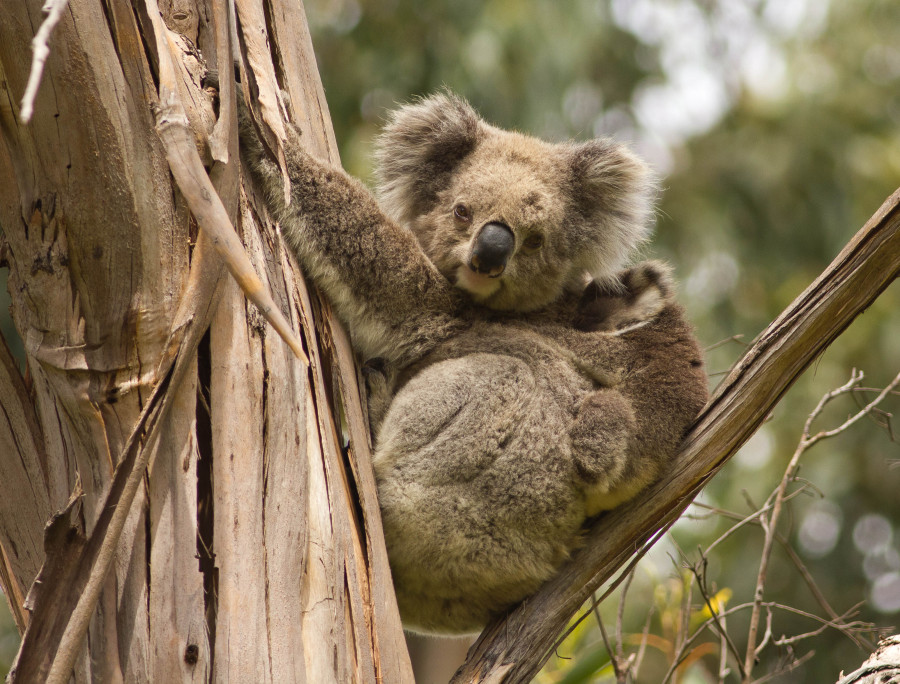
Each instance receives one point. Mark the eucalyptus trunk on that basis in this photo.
(252, 550)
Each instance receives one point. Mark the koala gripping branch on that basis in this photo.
(514, 648)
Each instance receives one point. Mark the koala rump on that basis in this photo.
(524, 381)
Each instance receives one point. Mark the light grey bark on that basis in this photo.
(882, 667)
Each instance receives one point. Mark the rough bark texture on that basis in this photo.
(882, 667)
(245, 555)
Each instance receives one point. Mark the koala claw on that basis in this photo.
(638, 296)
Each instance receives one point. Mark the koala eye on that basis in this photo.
(534, 241)
(461, 213)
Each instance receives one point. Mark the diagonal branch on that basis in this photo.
(514, 648)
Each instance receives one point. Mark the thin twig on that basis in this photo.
(714, 614)
(856, 417)
(848, 630)
(54, 10)
(620, 614)
(788, 549)
(724, 670)
(620, 676)
(836, 623)
(642, 649)
(790, 667)
(767, 637)
(844, 628)
(770, 525)
(727, 340)
(753, 519)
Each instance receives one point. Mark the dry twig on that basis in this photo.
(54, 10)
(770, 523)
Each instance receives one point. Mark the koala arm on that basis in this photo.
(625, 434)
(383, 287)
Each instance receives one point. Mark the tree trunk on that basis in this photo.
(245, 555)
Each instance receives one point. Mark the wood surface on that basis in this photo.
(244, 554)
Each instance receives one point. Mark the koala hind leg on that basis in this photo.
(601, 436)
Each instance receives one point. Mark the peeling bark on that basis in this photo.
(882, 667)
(245, 554)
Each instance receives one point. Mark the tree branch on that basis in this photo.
(54, 10)
(882, 666)
(513, 649)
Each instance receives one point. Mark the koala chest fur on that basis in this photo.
(525, 382)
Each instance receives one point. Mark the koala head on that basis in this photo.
(510, 219)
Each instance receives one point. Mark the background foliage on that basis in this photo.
(776, 127)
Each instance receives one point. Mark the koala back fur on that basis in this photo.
(508, 405)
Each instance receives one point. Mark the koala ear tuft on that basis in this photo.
(420, 146)
(614, 191)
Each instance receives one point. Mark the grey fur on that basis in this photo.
(508, 410)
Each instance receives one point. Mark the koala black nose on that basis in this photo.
(493, 246)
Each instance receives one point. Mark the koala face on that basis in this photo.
(508, 218)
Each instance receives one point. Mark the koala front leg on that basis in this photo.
(625, 432)
(373, 271)
(643, 291)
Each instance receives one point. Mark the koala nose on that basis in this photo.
(493, 246)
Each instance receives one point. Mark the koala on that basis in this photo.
(521, 379)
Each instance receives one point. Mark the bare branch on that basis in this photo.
(54, 10)
(770, 525)
(792, 664)
(724, 670)
(642, 649)
(845, 628)
(805, 574)
(721, 343)
(714, 612)
(767, 637)
(857, 416)
(620, 613)
(620, 674)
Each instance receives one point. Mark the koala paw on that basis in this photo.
(639, 295)
(600, 435)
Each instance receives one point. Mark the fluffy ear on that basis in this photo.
(420, 146)
(614, 191)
